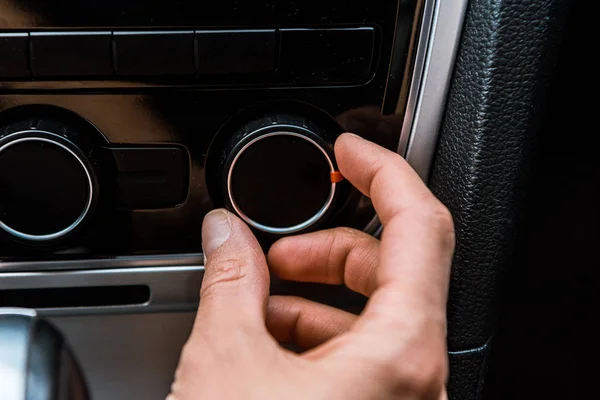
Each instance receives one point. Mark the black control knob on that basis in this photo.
(48, 186)
(279, 174)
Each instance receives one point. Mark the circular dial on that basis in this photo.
(277, 175)
(47, 184)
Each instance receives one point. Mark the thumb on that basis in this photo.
(235, 287)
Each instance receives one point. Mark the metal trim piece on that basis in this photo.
(441, 38)
(15, 339)
(75, 224)
(133, 33)
(421, 54)
(70, 33)
(26, 312)
(172, 289)
(272, 229)
(436, 51)
(13, 34)
(163, 260)
(479, 349)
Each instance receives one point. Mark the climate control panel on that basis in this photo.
(63, 184)
(121, 128)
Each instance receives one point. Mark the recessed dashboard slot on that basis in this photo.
(75, 297)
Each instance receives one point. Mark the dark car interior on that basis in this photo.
(124, 122)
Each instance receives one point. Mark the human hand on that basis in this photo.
(396, 349)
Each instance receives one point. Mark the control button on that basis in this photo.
(319, 56)
(277, 175)
(56, 54)
(235, 52)
(48, 186)
(154, 53)
(151, 177)
(13, 55)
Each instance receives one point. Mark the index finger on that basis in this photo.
(418, 237)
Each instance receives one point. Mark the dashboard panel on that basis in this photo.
(169, 126)
(147, 95)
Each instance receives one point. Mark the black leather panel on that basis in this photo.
(504, 64)
(467, 372)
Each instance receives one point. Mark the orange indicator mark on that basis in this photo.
(336, 177)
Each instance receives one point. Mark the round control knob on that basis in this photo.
(278, 174)
(48, 187)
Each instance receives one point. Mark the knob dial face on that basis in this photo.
(275, 173)
(49, 190)
(280, 182)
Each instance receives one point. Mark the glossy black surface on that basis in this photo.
(236, 51)
(70, 54)
(144, 111)
(276, 171)
(13, 48)
(49, 188)
(46, 191)
(153, 13)
(154, 53)
(327, 55)
(150, 177)
(281, 181)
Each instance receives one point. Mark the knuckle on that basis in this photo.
(422, 377)
(440, 219)
(350, 232)
(222, 272)
(226, 270)
(361, 266)
(367, 256)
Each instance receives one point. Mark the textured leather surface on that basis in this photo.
(467, 372)
(505, 61)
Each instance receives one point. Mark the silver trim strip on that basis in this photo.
(441, 38)
(13, 34)
(172, 289)
(471, 351)
(438, 42)
(272, 229)
(149, 33)
(71, 33)
(421, 54)
(55, 235)
(162, 260)
(26, 312)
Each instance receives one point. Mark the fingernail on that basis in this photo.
(215, 231)
(352, 134)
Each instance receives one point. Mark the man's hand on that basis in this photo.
(396, 349)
